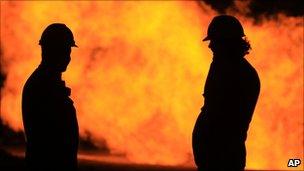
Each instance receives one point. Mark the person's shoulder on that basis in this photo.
(35, 81)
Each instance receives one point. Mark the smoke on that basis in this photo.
(139, 71)
(258, 8)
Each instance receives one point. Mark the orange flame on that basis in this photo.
(138, 75)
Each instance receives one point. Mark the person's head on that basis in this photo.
(56, 42)
(227, 37)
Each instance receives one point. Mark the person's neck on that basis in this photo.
(50, 69)
(227, 57)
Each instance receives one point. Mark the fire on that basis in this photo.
(138, 74)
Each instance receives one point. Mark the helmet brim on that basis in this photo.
(206, 38)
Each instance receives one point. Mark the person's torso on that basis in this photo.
(49, 115)
(231, 91)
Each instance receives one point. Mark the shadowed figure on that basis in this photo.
(231, 92)
(49, 117)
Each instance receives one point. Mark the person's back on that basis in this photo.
(231, 92)
(49, 117)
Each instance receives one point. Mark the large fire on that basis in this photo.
(138, 75)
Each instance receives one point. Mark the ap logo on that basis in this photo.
(293, 162)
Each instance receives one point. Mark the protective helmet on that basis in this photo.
(224, 26)
(57, 34)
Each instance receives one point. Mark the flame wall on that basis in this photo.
(138, 74)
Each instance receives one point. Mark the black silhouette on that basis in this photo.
(49, 117)
(231, 92)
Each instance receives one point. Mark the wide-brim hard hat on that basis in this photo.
(57, 34)
(224, 27)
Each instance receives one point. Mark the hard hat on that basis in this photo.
(57, 34)
(224, 26)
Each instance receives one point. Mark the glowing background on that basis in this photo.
(138, 75)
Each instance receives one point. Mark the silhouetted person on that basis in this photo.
(49, 117)
(231, 92)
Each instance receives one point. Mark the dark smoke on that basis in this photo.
(293, 8)
(2, 78)
(259, 8)
(86, 143)
(219, 5)
(11, 138)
